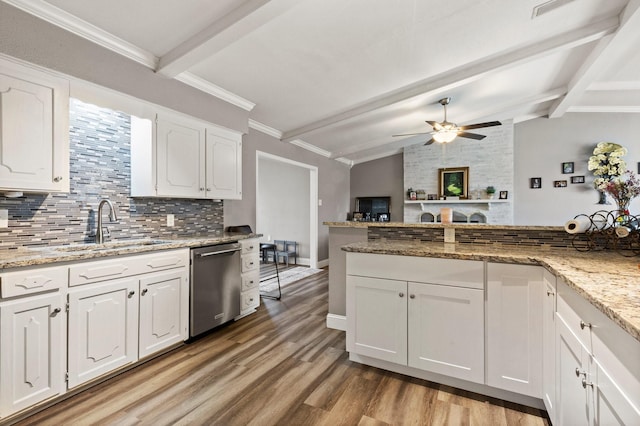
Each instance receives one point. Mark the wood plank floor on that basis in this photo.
(281, 366)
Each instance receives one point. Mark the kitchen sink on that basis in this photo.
(116, 245)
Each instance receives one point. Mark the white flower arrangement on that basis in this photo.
(607, 163)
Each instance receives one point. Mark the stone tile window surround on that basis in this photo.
(101, 168)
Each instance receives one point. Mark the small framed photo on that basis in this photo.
(577, 179)
(503, 195)
(383, 217)
(559, 183)
(567, 167)
(358, 216)
(535, 183)
(639, 168)
(432, 196)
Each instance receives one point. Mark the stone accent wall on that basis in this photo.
(490, 162)
(101, 168)
(471, 235)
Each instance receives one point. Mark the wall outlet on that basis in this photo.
(4, 218)
(170, 220)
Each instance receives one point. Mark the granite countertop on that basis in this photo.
(609, 281)
(54, 254)
(439, 225)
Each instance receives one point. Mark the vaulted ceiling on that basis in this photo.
(340, 77)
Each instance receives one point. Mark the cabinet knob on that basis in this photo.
(584, 324)
(578, 373)
(412, 296)
(401, 294)
(550, 293)
(57, 178)
(55, 312)
(144, 291)
(585, 383)
(131, 293)
(201, 189)
(208, 189)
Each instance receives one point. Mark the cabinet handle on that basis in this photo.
(585, 383)
(208, 189)
(401, 294)
(144, 291)
(584, 324)
(550, 293)
(201, 189)
(578, 373)
(55, 312)
(131, 293)
(57, 178)
(412, 296)
(251, 299)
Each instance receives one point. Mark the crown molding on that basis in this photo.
(605, 108)
(217, 91)
(346, 161)
(256, 125)
(614, 85)
(309, 147)
(81, 28)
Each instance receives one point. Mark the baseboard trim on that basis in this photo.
(323, 263)
(337, 322)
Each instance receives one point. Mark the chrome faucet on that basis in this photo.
(112, 217)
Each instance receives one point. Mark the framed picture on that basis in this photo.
(559, 183)
(358, 216)
(503, 195)
(432, 196)
(567, 167)
(639, 168)
(577, 179)
(383, 217)
(453, 182)
(535, 183)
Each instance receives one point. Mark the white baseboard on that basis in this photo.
(323, 263)
(337, 322)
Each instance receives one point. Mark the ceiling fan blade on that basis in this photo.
(480, 125)
(434, 124)
(471, 135)
(411, 134)
(430, 141)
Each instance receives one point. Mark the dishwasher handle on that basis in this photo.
(213, 253)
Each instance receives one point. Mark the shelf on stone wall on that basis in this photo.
(480, 201)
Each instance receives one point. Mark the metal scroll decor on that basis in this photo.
(609, 230)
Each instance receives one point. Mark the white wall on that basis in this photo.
(542, 145)
(283, 208)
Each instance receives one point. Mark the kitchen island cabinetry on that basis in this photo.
(34, 118)
(250, 290)
(435, 324)
(549, 344)
(514, 328)
(185, 158)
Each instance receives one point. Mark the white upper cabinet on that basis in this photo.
(34, 119)
(181, 157)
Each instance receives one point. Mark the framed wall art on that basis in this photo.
(567, 168)
(453, 182)
(577, 179)
(535, 183)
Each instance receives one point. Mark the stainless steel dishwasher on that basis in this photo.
(215, 286)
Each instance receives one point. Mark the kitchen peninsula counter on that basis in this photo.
(609, 281)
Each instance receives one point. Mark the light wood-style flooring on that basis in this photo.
(280, 366)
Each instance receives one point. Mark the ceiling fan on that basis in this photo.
(445, 131)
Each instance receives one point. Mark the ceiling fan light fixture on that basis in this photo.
(445, 136)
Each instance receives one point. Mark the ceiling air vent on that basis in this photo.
(548, 6)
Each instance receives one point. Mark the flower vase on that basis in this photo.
(603, 197)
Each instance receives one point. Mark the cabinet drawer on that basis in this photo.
(249, 246)
(33, 281)
(88, 272)
(250, 262)
(250, 280)
(249, 300)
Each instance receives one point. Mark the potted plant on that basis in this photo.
(490, 191)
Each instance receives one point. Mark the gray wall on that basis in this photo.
(283, 206)
(379, 178)
(333, 184)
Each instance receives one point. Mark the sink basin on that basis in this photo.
(108, 246)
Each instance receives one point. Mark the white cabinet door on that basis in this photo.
(514, 328)
(446, 330)
(33, 348)
(103, 328)
(180, 158)
(224, 165)
(164, 306)
(34, 119)
(573, 405)
(549, 345)
(612, 406)
(377, 318)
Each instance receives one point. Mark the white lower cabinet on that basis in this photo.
(514, 328)
(33, 355)
(103, 329)
(250, 290)
(549, 345)
(164, 314)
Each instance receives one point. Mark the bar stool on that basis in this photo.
(265, 248)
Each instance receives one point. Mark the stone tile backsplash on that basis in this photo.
(101, 168)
